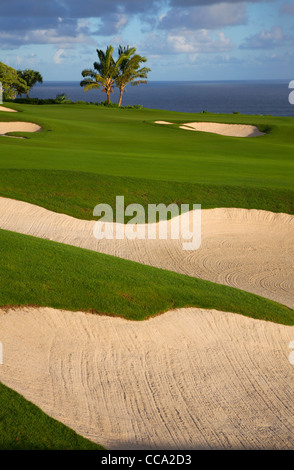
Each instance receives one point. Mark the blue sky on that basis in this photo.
(182, 39)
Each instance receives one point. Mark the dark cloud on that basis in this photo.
(66, 26)
(209, 17)
(275, 37)
(32, 8)
(31, 21)
(22, 24)
(112, 24)
(101, 8)
(287, 8)
(64, 22)
(193, 3)
(49, 31)
(74, 8)
(96, 8)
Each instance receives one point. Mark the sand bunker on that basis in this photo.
(233, 130)
(249, 249)
(162, 122)
(188, 379)
(3, 108)
(18, 126)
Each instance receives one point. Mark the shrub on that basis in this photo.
(108, 105)
(62, 98)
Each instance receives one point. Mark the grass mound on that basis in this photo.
(76, 194)
(23, 426)
(40, 272)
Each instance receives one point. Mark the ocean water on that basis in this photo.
(245, 97)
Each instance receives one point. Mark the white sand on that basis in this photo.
(162, 122)
(3, 108)
(233, 130)
(249, 249)
(188, 379)
(18, 126)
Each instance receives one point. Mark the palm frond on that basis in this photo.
(91, 86)
(138, 82)
(107, 72)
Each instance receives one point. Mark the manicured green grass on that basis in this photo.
(41, 272)
(76, 194)
(23, 426)
(86, 155)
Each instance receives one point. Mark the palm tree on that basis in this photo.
(31, 77)
(130, 71)
(104, 74)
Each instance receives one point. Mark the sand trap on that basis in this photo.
(188, 379)
(3, 108)
(18, 126)
(233, 130)
(249, 249)
(163, 122)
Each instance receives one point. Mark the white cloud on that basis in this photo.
(192, 43)
(59, 56)
(198, 42)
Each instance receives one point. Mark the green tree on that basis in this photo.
(12, 84)
(104, 73)
(130, 71)
(31, 77)
(62, 98)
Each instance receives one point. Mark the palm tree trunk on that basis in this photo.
(108, 97)
(121, 90)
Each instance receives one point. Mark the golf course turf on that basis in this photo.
(45, 273)
(85, 155)
(23, 426)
